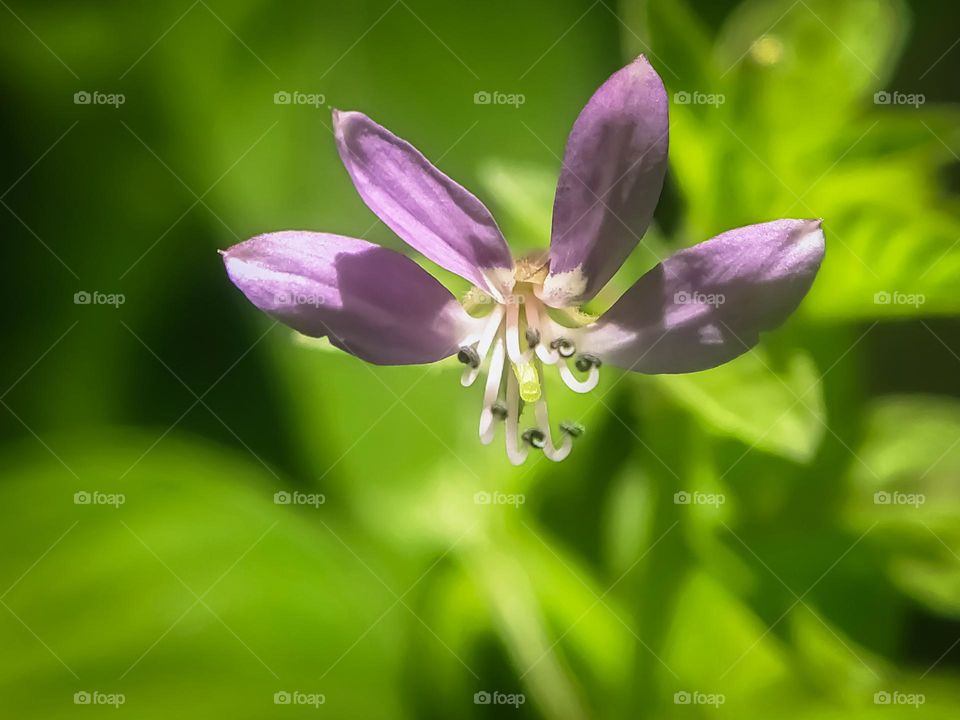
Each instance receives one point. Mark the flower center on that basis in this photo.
(545, 343)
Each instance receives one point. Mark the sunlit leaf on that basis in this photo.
(773, 407)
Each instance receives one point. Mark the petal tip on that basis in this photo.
(812, 231)
(343, 119)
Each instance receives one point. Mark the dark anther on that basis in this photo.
(534, 438)
(533, 337)
(571, 428)
(564, 347)
(585, 362)
(468, 356)
(499, 410)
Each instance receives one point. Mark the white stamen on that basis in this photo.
(494, 375)
(570, 380)
(543, 422)
(516, 453)
(546, 355)
(499, 338)
(483, 344)
(513, 333)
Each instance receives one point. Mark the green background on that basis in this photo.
(801, 595)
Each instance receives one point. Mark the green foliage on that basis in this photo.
(776, 536)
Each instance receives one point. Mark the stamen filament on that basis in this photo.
(483, 344)
(543, 422)
(513, 333)
(570, 380)
(516, 453)
(491, 391)
(545, 343)
(546, 355)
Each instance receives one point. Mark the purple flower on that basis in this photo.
(697, 309)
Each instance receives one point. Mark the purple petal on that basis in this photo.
(372, 302)
(428, 210)
(611, 179)
(707, 304)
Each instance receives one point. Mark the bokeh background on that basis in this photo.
(777, 537)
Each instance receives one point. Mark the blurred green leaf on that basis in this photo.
(745, 157)
(198, 589)
(778, 408)
(523, 198)
(905, 483)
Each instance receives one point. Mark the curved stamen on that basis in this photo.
(515, 453)
(564, 347)
(578, 386)
(542, 348)
(535, 438)
(468, 356)
(543, 422)
(494, 375)
(587, 361)
(483, 345)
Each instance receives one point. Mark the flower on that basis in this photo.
(697, 309)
